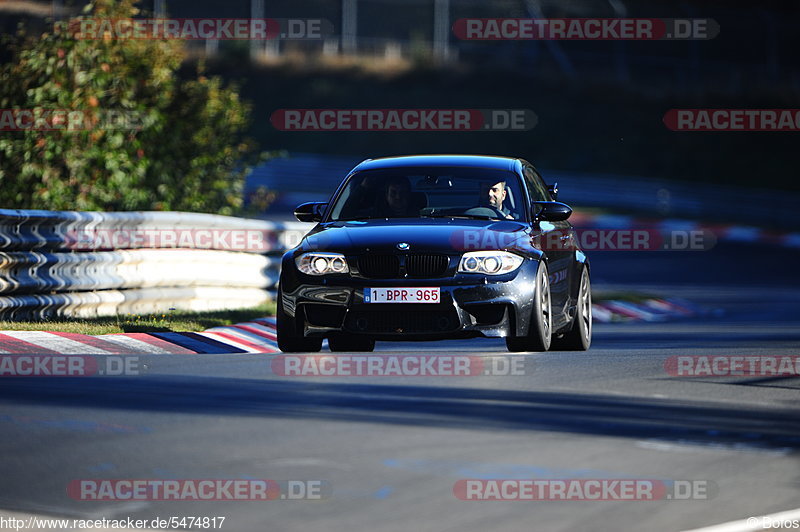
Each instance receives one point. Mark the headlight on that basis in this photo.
(321, 263)
(489, 262)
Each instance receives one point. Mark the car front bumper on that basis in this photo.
(470, 305)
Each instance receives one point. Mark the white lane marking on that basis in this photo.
(133, 343)
(60, 344)
(751, 524)
(688, 446)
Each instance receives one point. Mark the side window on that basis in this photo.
(536, 188)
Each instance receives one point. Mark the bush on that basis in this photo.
(180, 145)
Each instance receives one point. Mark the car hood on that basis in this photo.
(442, 235)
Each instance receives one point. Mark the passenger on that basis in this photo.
(398, 198)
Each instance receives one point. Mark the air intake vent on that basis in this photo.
(426, 265)
(402, 321)
(379, 266)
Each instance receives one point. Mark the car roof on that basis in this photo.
(472, 161)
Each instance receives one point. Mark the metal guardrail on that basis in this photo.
(121, 302)
(83, 264)
(25, 230)
(36, 272)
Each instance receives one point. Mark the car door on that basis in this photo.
(556, 240)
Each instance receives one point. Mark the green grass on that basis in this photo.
(174, 321)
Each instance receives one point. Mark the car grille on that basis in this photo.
(424, 265)
(379, 266)
(398, 321)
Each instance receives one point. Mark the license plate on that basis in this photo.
(401, 295)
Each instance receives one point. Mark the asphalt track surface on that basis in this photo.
(391, 449)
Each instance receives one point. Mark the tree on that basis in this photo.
(134, 135)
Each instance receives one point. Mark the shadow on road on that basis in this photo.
(444, 407)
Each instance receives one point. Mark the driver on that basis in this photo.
(497, 195)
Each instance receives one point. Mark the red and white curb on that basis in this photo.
(256, 336)
(722, 232)
(259, 335)
(651, 310)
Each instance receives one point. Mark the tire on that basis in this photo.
(541, 325)
(579, 337)
(290, 339)
(346, 342)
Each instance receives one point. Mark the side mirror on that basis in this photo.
(310, 212)
(553, 189)
(551, 211)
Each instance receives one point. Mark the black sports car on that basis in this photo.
(434, 247)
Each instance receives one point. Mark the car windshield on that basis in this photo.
(475, 193)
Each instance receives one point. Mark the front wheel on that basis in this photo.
(290, 339)
(579, 337)
(541, 325)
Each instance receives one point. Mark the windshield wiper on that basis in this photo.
(357, 219)
(461, 216)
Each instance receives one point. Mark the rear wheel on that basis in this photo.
(290, 338)
(541, 325)
(347, 342)
(579, 337)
